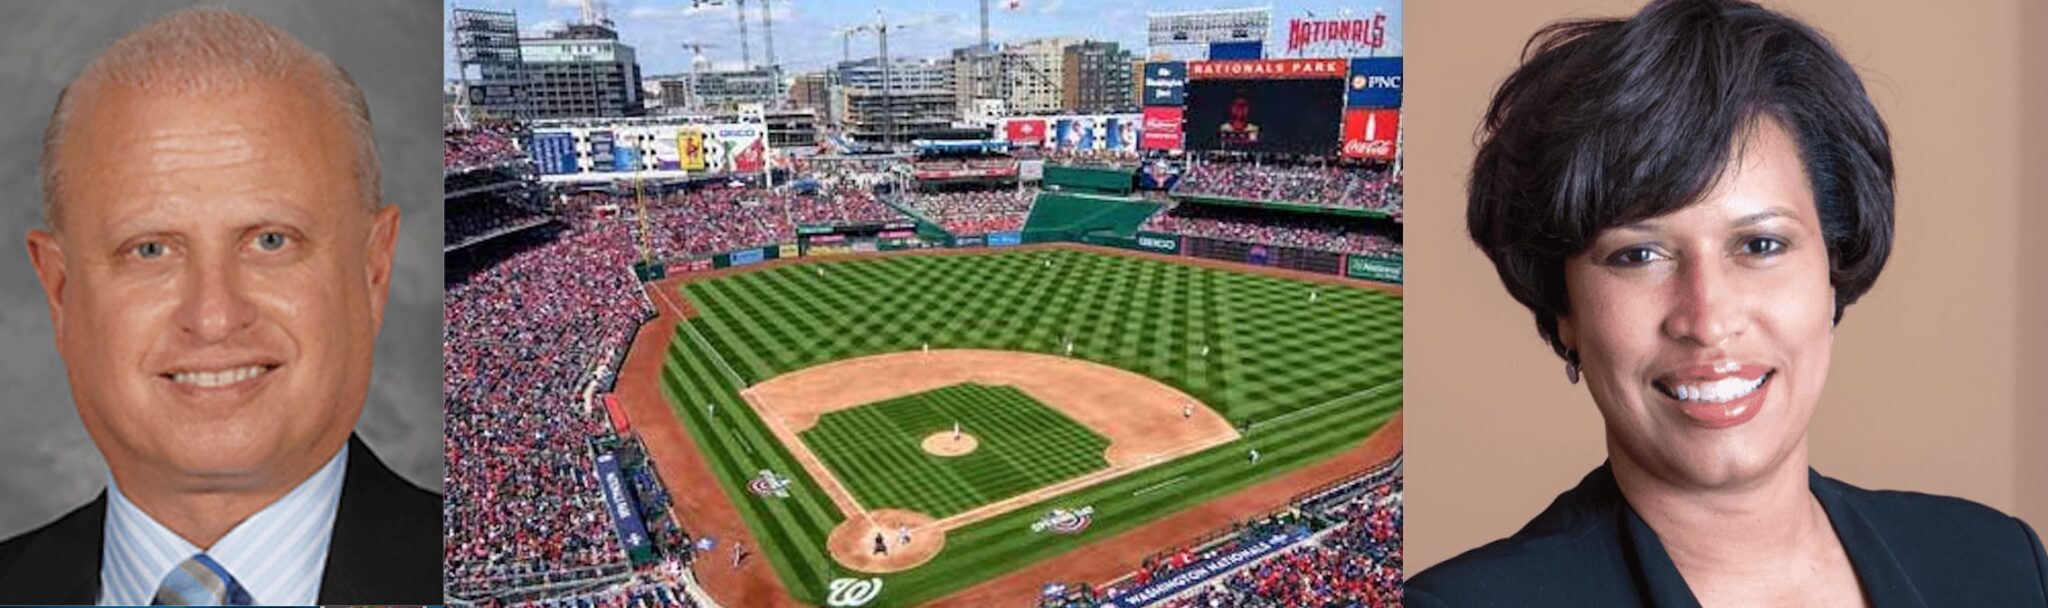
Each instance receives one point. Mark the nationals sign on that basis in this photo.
(1161, 129)
(1371, 133)
(1368, 33)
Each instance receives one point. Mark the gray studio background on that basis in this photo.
(48, 465)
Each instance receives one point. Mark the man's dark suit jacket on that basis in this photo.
(386, 547)
(1591, 549)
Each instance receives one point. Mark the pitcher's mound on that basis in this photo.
(853, 541)
(945, 443)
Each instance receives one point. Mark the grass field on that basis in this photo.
(1317, 376)
(1024, 445)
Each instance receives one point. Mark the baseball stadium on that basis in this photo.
(1114, 359)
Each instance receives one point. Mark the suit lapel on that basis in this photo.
(387, 538)
(61, 564)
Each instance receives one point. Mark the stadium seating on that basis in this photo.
(1333, 186)
(1308, 231)
(974, 212)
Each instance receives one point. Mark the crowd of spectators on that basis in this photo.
(1075, 156)
(523, 337)
(971, 212)
(694, 223)
(631, 594)
(478, 146)
(1353, 557)
(471, 218)
(1374, 188)
(1308, 231)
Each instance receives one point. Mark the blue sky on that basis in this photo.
(807, 31)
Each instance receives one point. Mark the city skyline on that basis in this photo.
(807, 34)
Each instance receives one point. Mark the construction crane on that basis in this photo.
(740, 11)
(880, 28)
(696, 58)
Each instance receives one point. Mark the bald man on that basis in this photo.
(216, 258)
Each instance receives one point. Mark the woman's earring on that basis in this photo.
(1571, 366)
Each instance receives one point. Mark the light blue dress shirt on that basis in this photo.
(278, 554)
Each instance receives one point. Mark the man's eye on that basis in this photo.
(149, 250)
(272, 241)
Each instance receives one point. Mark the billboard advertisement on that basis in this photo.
(625, 159)
(690, 150)
(625, 512)
(601, 150)
(1028, 131)
(1382, 268)
(1375, 82)
(1166, 83)
(1287, 115)
(554, 153)
(1371, 133)
(1161, 128)
(737, 148)
(1004, 239)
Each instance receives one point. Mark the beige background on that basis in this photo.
(1939, 373)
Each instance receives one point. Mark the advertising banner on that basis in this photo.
(1159, 241)
(746, 256)
(1005, 239)
(1166, 83)
(690, 150)
(625, 514)
(1266, 69)
(1371, 133)
(1027, 131)
(625, 159)
(1162, 129)
(601, 150)
(554, 153)
(1201, 571)
(1382, 268)
(750, 158)
(1375, 82)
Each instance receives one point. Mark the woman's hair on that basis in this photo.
(1609, 122)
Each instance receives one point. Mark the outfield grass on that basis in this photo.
(1023, 445)
(1320, 376)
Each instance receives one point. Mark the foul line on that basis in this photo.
(738, 382)
(1148, 489)
(1366, 392)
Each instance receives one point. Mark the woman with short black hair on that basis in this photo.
(1687, 201)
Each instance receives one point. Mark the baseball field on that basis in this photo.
(1009, 407)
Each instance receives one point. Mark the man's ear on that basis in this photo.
(48, 259)
(383, 246)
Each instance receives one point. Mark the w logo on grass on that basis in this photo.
(1065, 521)
(853, 592)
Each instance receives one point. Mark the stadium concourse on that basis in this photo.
(543, 304)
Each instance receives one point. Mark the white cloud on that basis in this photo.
(541, 28)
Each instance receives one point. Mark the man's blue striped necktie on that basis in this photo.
(200, 581)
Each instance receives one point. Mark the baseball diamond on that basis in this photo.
(1304, 371)
(877, 449)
